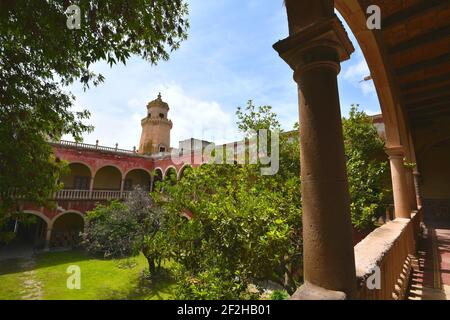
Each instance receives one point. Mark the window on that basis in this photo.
(81, 183)
(162, 149)
(161, 115)
(149, 115)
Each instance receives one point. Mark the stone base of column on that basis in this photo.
(310, 291)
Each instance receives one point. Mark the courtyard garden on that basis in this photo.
(45, 277)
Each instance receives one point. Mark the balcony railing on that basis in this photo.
(70, 194)
(390, 248)
(94, 147)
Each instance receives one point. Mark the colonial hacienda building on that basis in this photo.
(98, 174)
(409, 61)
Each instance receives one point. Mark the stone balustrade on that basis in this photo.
(78, 145)
(70, 194)
(391, 248)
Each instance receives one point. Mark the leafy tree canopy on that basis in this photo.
(245, 227)
(39, 55)
(122, 229)
(367, 169)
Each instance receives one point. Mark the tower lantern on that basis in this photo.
(155, 136)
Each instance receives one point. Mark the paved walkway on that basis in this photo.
(24, 256)
(31, 286)
(431, 272)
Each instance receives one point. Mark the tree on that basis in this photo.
(121, 229)
(245, 227)
(367, 169)
(39, 56)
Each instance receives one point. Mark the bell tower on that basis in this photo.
(155, 136)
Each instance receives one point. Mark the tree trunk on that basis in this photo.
(151, 265)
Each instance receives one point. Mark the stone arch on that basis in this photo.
(31, 233)
(40, 215)
(182, 169)
(83, 216)
(78, 177)
(137, 176)
(394, 115)
(108, 177)
(84, 164)
(66, 228)
(398, 133)
(157, 176)
(171, 174)
(169, 168)
(158, 172)
(109, 165)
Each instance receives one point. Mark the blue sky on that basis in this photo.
(227, 60)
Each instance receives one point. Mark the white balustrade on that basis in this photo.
(71, 194)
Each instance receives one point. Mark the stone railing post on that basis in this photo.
(314, 53)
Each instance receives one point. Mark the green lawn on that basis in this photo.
(100, 278)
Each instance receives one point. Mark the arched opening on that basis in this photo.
(157, 177)
(108, 178)
(66, 230)
(185, 171)
(26, 233)
(137, 177)
(78, 177)
(367, 40)
(171, 175)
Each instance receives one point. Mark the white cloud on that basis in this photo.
(194, 117)
(356, 73)
(191, 117)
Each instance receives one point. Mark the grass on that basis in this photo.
(10, 280)
(101, 279)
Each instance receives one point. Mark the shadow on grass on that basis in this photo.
(12, 266)
(50, 259)
(159, 287)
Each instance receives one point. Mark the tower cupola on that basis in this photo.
(155, 136)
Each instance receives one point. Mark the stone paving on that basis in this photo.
(32, 287)
(431, 271)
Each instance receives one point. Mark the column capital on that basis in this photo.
(324, 43)
(395, 152)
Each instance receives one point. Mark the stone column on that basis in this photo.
(91, 187)
(399, 184)
(48, 237)
(411, 188)
(314, 53)
(122, 184)
(152, 181)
